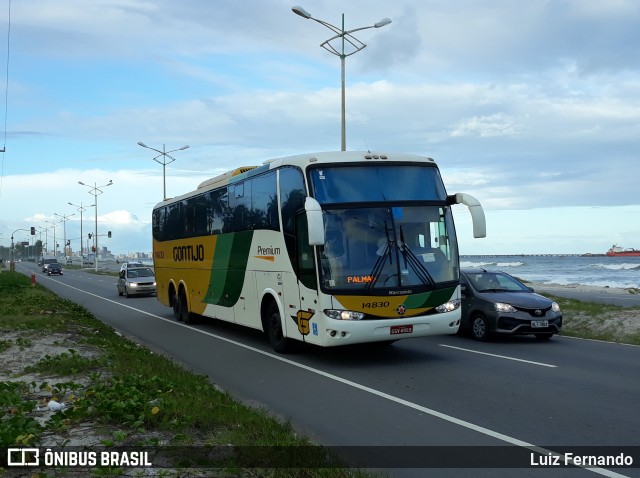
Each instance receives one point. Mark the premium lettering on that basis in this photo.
(268, 251)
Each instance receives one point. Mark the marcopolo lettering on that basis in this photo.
(188, 253)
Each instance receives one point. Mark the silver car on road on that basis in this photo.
(136, 281)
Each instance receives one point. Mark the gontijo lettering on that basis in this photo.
(188, 253)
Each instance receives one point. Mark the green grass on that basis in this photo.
(125, 390)
(596, 321)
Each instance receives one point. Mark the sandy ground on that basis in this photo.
(624, 321)
(28, 347)
(586, 290)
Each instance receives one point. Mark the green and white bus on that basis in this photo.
(329, 248)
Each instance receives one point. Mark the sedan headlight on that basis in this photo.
(502, 307)
(555, 307)
(449, 306)
(344, 314)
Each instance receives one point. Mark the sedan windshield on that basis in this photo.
(388, 248)
(141, 272)
(495, 282)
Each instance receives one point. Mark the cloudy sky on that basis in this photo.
(532, 107)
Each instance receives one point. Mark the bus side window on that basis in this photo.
(305, 262)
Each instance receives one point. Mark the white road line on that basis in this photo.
(499, 356)
(372, 391)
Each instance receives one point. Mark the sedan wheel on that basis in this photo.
(480, 327)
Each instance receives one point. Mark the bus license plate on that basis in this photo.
(401, 329)
(539, 324)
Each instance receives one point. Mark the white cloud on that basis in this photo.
(530, 106)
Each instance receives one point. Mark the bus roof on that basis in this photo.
(302, 161)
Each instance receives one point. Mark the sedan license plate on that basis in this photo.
(539, 324)
(401, 329)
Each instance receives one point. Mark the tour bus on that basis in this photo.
(329, 248)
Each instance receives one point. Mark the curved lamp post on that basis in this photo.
(164, 154)
(96, 191)
(345, 36)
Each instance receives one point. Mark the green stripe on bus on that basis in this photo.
(228, 269)
(429, 299)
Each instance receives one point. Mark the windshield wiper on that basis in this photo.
(382, 259)
(411, 260)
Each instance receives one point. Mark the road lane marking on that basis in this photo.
(400, 401)
(499, 356)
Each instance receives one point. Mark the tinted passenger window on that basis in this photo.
(264, 202)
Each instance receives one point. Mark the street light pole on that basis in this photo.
(164, 154)
(81, 209)
(345, 36)
(55, 245)
(64, 227)
(96, 191)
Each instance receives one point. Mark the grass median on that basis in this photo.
(112, 392)
(590, 320)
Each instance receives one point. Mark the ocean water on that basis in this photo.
(623, 272)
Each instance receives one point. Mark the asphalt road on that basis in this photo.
(397, 403)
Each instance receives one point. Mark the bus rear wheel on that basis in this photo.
(175, 305)
(185, 315)
(274, 331)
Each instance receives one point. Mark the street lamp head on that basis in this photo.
(142, 144)
(298, 10)
(184, 147)
(383, 22)
(80, 182)
(109, 183)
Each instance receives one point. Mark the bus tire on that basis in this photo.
(185, 315)
(274, 331)
(175, 305)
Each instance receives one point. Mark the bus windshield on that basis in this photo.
(388, 248)
(375, 183)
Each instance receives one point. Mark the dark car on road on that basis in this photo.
(494, 302)
(54, 268)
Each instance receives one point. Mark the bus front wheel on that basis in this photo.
(278, 341)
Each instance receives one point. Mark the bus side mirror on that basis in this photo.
(477, 213)
(315, 223)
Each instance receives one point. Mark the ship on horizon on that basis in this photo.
(616, 250)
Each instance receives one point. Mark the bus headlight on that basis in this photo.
(343, 314)
(448, 306)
